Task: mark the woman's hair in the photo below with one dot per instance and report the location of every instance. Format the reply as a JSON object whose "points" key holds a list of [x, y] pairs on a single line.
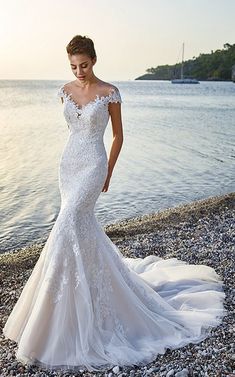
{"points": [[81, 45]]}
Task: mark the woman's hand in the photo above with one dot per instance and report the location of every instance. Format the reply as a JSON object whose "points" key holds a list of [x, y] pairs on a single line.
{"points": [[106, 184]]}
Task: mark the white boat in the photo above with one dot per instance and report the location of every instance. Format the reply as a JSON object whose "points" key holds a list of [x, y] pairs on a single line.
{"points": [[183, 80]]}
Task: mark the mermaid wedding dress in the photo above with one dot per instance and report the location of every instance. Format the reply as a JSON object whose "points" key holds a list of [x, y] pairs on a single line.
{"points": [[85, 305]]}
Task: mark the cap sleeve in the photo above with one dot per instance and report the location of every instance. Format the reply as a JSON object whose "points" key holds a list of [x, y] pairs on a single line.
{"points": [[60, 92], [115, 96]]}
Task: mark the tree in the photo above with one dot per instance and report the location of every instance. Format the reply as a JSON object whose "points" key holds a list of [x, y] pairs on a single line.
{"points": [[215, 65]]}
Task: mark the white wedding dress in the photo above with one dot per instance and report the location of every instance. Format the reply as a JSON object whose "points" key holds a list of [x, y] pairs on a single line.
{"points": [[85, 305]]}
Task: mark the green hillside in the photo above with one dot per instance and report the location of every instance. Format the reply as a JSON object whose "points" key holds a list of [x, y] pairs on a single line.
{"points": [[214, 66]]}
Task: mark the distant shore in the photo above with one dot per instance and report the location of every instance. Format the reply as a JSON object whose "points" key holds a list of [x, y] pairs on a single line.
{"points": [[152, 77], [201, 232]]}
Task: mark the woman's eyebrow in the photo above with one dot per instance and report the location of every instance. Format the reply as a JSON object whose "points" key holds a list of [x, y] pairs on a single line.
{"points": [[80, 64]]}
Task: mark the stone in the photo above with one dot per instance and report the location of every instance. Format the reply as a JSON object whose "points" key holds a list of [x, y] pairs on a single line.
{"points": [[116, 369], [170, 373], [182, 373], [9, 355]]}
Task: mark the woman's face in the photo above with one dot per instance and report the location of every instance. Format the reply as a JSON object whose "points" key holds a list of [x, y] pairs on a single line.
{"points": [[82, 66]]}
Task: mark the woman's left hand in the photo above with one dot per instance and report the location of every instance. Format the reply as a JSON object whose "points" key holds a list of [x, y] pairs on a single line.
{"points": [[106, 184]]}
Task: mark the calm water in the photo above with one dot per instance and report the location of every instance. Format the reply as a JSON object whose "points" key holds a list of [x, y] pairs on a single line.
{"points": [[179, 146]]}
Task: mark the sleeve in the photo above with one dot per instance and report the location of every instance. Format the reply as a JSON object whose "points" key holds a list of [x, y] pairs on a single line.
{"points": [[115, 96], [60, 92]]}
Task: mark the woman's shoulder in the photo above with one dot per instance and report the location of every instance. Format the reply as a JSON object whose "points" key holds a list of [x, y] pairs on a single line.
{"points": [[110, 87], [107, 87], [63, 88], [68, 85], [112, 92]]}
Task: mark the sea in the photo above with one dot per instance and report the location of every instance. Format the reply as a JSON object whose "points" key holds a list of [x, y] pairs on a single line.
{"points": [[179, 146]]}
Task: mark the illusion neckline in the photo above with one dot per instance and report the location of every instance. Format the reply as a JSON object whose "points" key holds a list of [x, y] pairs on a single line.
{"points": [[82, 107]]}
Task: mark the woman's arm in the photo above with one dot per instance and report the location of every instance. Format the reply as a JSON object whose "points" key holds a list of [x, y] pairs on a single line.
{"points": [[116, 119]]}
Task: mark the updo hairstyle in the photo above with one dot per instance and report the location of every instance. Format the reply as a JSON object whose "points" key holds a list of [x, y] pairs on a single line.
{"points": [[81, 45]]}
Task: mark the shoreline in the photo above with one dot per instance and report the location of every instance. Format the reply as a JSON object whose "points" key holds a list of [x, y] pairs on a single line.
{"points": [[150, 222], [199, 232]]}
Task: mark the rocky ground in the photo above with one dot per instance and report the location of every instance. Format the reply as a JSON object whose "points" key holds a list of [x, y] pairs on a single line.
{"points": [[202, 232]]}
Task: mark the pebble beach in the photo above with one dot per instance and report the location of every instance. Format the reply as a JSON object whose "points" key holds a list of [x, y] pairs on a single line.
{"points": [[201, 232]]}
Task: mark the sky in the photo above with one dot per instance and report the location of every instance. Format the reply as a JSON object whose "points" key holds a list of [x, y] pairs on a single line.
{"points": [[129, 35]]}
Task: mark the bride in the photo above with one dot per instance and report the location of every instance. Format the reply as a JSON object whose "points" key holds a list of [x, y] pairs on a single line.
{"points": [[85, 305]]}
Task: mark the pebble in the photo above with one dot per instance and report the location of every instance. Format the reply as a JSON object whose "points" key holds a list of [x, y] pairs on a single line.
{"points": [[182, 373], [170, 373], [116, 369], [9, 355]]}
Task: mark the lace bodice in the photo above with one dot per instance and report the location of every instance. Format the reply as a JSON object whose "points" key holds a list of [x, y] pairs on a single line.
{"points": [[92, 116]]}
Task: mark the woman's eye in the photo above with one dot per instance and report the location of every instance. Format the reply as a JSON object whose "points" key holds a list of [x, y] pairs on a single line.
{"points": [[82, 67]]}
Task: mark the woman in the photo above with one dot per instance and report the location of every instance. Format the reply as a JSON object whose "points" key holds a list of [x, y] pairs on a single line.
{"points": [[85, 305]]}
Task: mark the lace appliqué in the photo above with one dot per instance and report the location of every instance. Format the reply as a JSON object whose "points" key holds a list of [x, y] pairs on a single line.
{"points": [[67, 267], [93, 113], [113, 96]]}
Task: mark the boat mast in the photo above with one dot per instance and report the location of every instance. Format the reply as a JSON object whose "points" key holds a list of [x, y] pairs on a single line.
{"points": [[182, 64]]}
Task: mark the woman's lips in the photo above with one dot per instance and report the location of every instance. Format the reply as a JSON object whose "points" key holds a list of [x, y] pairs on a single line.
{"points": [[81, 77]]}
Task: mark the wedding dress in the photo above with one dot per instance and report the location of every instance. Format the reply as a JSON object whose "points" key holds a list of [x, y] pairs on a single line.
{"points": [[85, 305]]}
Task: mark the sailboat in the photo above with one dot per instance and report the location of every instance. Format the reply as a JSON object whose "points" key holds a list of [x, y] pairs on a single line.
{"points": [[183, 80]]}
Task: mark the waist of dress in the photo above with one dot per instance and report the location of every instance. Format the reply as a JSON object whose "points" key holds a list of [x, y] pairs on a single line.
{"points": [[86, 138], [76, 141]]}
